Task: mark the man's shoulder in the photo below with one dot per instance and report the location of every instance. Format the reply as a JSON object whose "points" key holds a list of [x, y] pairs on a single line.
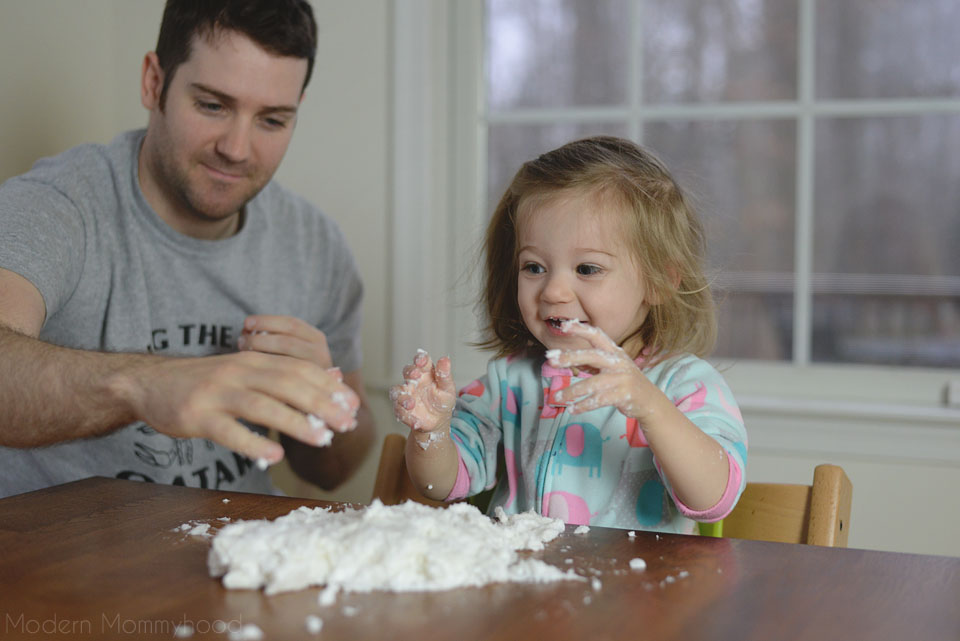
{"points": [[87, 165]]}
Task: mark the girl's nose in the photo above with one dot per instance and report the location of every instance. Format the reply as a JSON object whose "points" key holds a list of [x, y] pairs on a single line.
{"points": [[556, 289]]}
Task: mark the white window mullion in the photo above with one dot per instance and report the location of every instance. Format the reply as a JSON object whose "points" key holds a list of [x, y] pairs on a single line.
{"points": [[803, 243], [635, 69]]}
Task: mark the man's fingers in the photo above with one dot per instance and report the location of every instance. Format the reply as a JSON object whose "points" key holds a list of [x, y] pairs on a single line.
{"points": [[235, 436]]}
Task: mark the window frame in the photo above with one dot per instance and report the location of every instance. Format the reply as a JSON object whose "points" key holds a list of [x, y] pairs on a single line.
{"points": [[440, 124]]}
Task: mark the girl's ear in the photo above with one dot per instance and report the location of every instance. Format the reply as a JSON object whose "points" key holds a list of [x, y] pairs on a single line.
{"points": [[654, 297]]}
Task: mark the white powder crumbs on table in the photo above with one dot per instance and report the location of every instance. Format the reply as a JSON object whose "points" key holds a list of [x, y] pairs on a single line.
{"points": [[350, 611], [313, 624], [182, 631], [226, 500], [398, 548], [203, 529], [249, 632], [582, 529], [638, 564], [632, 534], [595, 584]]}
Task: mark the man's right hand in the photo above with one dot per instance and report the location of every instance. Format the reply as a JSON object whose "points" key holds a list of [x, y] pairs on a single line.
{"points": [[204, 398]]}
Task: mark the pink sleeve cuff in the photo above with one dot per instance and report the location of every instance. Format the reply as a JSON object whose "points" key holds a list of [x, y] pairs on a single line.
{"points": [[724, 506], [462, 485]]}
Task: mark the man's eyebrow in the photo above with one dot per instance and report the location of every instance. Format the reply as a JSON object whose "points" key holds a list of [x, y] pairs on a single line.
{"points": [[230, 100]]}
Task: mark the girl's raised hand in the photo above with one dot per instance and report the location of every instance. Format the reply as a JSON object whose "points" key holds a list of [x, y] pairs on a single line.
{"points": [[425, 400], [617, 381]]}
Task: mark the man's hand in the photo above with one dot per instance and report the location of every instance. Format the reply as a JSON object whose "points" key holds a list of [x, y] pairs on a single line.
{"points": [[205, 397]]}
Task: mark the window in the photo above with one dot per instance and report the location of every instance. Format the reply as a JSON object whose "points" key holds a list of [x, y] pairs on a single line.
{"points": [[821, 140]]}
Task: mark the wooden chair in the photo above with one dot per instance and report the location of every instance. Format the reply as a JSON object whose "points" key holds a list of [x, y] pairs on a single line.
{"points": [[393, 484], [817, 514]]}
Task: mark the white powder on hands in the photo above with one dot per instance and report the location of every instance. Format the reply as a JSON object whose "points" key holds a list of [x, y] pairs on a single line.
{"points": [[399, 548]]}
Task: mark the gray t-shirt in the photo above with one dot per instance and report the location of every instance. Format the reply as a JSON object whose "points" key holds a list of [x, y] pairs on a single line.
{"points": [[114, 277]]}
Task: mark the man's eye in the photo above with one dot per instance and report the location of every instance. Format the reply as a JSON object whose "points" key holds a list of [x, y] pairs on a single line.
{"points": [[587, 270], [274, 123], [212, 107]]}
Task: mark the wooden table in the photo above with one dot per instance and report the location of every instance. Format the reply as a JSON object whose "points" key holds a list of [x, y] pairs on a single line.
{"points": [[99, 558]]}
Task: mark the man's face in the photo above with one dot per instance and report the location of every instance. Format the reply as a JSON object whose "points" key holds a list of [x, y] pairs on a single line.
{"points": [[229, 114]]}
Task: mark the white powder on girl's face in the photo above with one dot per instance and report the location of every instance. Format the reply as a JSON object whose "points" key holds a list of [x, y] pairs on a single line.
{"points": [[398, 548]]}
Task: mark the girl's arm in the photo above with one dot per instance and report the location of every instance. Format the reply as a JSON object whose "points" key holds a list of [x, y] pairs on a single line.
{"points": [[425, 404], [695, 464]]}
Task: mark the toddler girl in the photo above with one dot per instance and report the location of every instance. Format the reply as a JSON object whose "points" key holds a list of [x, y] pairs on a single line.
{"points": [[597, 407]]}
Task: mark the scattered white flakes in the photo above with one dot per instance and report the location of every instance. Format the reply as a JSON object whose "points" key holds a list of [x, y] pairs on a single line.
{"points": [[329, 595], [226, 500], [587, 599], [670, 579], [182, 631], [262, 463], [350, 611], [658, 536], [432, 437], [316, 423], [430, 486], [683, 574], [399, 548], [632, 534], [313, 624], [568, 561], [595, 584], [225, 519], [249, 632], [582, 529], [638, 564], [553, 354], [203, 529]]}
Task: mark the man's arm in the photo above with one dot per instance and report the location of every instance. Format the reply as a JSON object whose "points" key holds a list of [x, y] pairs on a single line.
{"points": [[51, 394], [328, 467]]}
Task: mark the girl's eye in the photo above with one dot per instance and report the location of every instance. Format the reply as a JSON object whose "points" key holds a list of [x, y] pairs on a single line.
{"points": [[532, 268], [587, 270]]}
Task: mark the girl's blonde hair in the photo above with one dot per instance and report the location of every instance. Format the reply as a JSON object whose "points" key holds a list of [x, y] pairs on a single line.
{"points": [[665, 236]]}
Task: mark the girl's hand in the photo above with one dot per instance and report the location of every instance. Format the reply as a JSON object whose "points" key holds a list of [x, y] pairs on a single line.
{"points": [[427, 397], [617, 381]]}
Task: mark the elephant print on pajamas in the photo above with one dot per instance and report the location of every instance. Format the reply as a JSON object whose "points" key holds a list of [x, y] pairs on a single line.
{"points": [[580, 446], [569, 507]]}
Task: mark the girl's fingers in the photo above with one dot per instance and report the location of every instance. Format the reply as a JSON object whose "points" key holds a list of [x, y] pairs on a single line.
{"points": [[593, 335], [442, 374], [596, 358]]}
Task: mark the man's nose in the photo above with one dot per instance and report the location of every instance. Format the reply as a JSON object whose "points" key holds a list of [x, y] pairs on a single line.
{"points": [[234, 142]]}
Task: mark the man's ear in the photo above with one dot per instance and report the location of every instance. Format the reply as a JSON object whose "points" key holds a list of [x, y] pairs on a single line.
{"points": [[151, 81]]}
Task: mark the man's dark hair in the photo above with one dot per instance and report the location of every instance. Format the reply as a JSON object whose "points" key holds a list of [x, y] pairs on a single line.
{"points": [[282, 27]]}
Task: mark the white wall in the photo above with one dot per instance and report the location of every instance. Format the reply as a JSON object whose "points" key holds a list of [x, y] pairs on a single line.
{"points": [[70, 74]]}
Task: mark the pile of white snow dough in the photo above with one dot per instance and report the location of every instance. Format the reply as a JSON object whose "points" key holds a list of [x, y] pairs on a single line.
{"points": [[397, 548]]}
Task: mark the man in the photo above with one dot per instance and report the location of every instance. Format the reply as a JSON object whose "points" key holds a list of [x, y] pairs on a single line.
{"points": [[160, 297]]}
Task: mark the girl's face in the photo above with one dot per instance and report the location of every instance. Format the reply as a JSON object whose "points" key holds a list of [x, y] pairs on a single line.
{"points": [[574, 263]]}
